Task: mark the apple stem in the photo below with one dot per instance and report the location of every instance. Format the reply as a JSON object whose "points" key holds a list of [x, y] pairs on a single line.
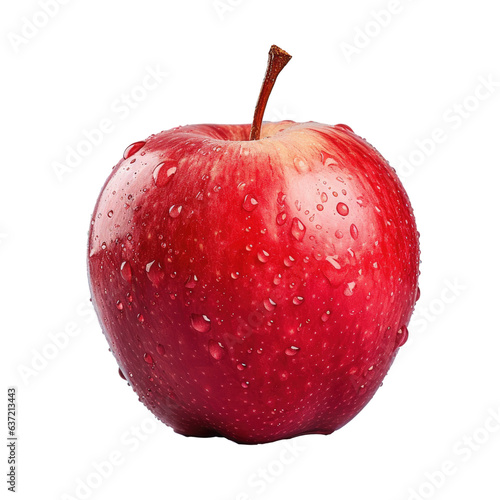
{"points": [[277, 60]]}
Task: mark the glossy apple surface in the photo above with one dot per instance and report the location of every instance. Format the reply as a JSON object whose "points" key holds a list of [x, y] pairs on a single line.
{"points": [[256, 290]]}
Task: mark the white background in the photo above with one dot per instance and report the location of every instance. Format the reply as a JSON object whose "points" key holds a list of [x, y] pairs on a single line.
{"points": [[412, 76]]}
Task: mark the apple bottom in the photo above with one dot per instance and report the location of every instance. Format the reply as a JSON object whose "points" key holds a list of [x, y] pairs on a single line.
{"points": [[248, 381]]}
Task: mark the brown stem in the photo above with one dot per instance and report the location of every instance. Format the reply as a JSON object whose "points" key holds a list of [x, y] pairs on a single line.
{"points": [[278, 59]]}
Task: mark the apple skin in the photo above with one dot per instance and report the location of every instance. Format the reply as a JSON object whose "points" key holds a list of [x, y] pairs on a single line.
{"points": [[256, 290]]}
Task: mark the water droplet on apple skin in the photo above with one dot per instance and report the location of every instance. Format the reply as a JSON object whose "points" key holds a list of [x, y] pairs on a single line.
{"points": [[342, 209], [249, 203], [269, 304], [281, 218], [344, 127], [163, 172], [298, 229], [160, 349], [354, 232], [133, 149], [126, 271], [148, 358], [174, 211], [401, 336], [216, 349], [292, 350], [262, 256], [201, 323]]}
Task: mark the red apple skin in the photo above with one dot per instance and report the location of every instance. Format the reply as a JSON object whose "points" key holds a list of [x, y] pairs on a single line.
{"points": [[256, 290]]}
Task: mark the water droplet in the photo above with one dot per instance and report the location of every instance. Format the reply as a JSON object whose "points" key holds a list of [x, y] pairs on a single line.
{"points": [[297, 205], [289, 261], [263, 256], [298, 300], [344, 127], [281, 198], [140, 318], [216, 349], [281, 218], [418, 294], [292, 350], [342, 209], [200, 323], [401, 336], [354, 232], [121, 374], [361, 201], [129, 297], [235, 276], [119, 305], [339, 234], [298, 229], [241, 366], [154, 272], [300, 165], [174, 211], [163, 172], [324, 197], [277, 279], [348, 291], [269, 304], [132, 149], [325, 316], [160, 349], [333, 261], [249, 203], [110, 214], [191, 281], [320, 208], [148, 358], [245, 385]]}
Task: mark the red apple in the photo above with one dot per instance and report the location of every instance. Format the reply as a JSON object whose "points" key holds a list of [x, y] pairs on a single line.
{"points": [[254, 289]]}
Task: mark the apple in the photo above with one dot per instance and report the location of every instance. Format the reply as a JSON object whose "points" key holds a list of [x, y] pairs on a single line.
{"points": [[254, 282]]}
